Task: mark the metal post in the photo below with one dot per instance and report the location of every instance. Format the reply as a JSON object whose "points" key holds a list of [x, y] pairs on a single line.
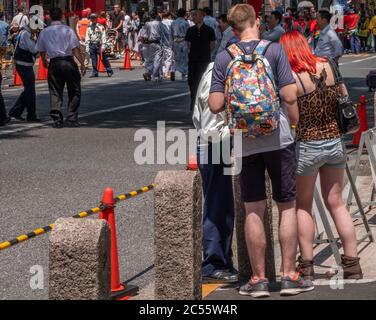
{"points": [[354, 176], [359, 203], [328, 229]]}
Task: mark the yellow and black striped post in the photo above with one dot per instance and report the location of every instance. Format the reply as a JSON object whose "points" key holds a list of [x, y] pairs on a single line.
{"points": [[37, 232]]}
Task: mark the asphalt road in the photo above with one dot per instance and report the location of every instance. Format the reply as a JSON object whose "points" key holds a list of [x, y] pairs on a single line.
{"points": [[47, 173]]}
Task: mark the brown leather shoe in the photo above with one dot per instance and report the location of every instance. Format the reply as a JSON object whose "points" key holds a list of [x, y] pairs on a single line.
{"points": [[306, 269], [351, 268]]}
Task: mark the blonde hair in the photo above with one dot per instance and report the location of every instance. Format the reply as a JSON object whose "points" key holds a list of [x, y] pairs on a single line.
{"points": [[241, 16]]}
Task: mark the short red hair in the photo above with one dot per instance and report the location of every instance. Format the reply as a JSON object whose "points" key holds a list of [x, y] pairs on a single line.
{"points": [[299, 53]]}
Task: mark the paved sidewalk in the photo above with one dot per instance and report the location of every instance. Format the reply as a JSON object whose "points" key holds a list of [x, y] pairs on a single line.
{"points": [[354, 291]]}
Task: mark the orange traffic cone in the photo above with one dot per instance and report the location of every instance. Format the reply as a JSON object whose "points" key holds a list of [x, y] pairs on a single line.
{"points": [[192, 163], [17, 81], [42, 70], [100, 65], [119, 291], [362, 113], [127, 60]]}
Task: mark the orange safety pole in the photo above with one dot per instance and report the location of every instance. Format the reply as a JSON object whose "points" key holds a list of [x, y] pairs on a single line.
{"points": [[362, 114], [119, 291]]}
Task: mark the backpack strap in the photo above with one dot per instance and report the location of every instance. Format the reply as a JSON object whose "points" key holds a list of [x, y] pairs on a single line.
{"points": [[262, 47], [234, 51]]}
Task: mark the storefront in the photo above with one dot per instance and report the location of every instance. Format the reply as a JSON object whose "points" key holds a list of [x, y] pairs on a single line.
{"points": [[69, 5], [9, 7]]}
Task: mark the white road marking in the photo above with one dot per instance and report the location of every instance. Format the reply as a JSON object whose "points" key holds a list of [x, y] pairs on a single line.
{"points": [[323, 282], [29, 126], [356, 61], [44, 85], [88, 114]]}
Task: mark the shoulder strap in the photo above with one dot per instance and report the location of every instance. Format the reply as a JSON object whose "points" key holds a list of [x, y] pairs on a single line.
{"points": [[19, 38], [235, 51], [262, 47], [17, 46], [301, 83], [337, 74]]}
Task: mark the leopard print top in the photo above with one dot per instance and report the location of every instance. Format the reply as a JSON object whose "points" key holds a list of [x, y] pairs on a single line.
{"points": [[317, 111]]}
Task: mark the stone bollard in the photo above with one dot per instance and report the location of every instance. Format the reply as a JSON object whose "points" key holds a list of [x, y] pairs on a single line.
{"points": [[178, 235], [79, 260], [244, 265]]}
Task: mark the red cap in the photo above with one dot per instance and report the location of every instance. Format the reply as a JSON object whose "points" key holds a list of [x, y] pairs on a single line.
{"points": [[84, 14]]}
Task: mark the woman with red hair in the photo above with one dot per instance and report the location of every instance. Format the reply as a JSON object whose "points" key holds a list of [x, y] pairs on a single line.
{"points": [[320, 149]]}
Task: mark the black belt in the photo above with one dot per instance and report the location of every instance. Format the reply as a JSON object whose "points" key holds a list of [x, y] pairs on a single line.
{"points": [[68, 58]]}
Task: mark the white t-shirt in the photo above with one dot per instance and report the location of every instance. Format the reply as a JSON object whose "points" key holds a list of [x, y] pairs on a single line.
{"points": [[21, 19], [126, 23], [58, 40]]}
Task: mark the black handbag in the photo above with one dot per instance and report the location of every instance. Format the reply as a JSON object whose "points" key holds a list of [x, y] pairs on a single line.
{"points": [[347, 116], [346, 111]]}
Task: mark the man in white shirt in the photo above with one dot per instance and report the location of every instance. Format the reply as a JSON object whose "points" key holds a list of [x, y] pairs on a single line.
{"points": [[61, 43], [20, 19], [218, 215], [168, 54]]}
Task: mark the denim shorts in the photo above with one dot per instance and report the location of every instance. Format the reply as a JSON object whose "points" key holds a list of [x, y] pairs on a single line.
{"points": [[313, 155]]}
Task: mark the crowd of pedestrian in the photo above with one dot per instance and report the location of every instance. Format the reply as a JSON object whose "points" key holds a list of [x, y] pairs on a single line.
{"points": [[169, 42]]}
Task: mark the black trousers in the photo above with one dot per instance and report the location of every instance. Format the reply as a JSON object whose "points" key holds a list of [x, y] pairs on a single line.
{"points": [[61, 73], [3, 112], [195, 73], [27, 99]]}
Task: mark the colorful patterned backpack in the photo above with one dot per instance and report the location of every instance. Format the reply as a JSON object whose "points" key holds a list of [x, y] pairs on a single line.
{"points": [[251, 96]]}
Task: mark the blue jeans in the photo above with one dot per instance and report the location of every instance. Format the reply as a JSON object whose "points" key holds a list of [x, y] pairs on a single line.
{"points": [[27, 99], [95, 51], [355, 44], [218, 215]]}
